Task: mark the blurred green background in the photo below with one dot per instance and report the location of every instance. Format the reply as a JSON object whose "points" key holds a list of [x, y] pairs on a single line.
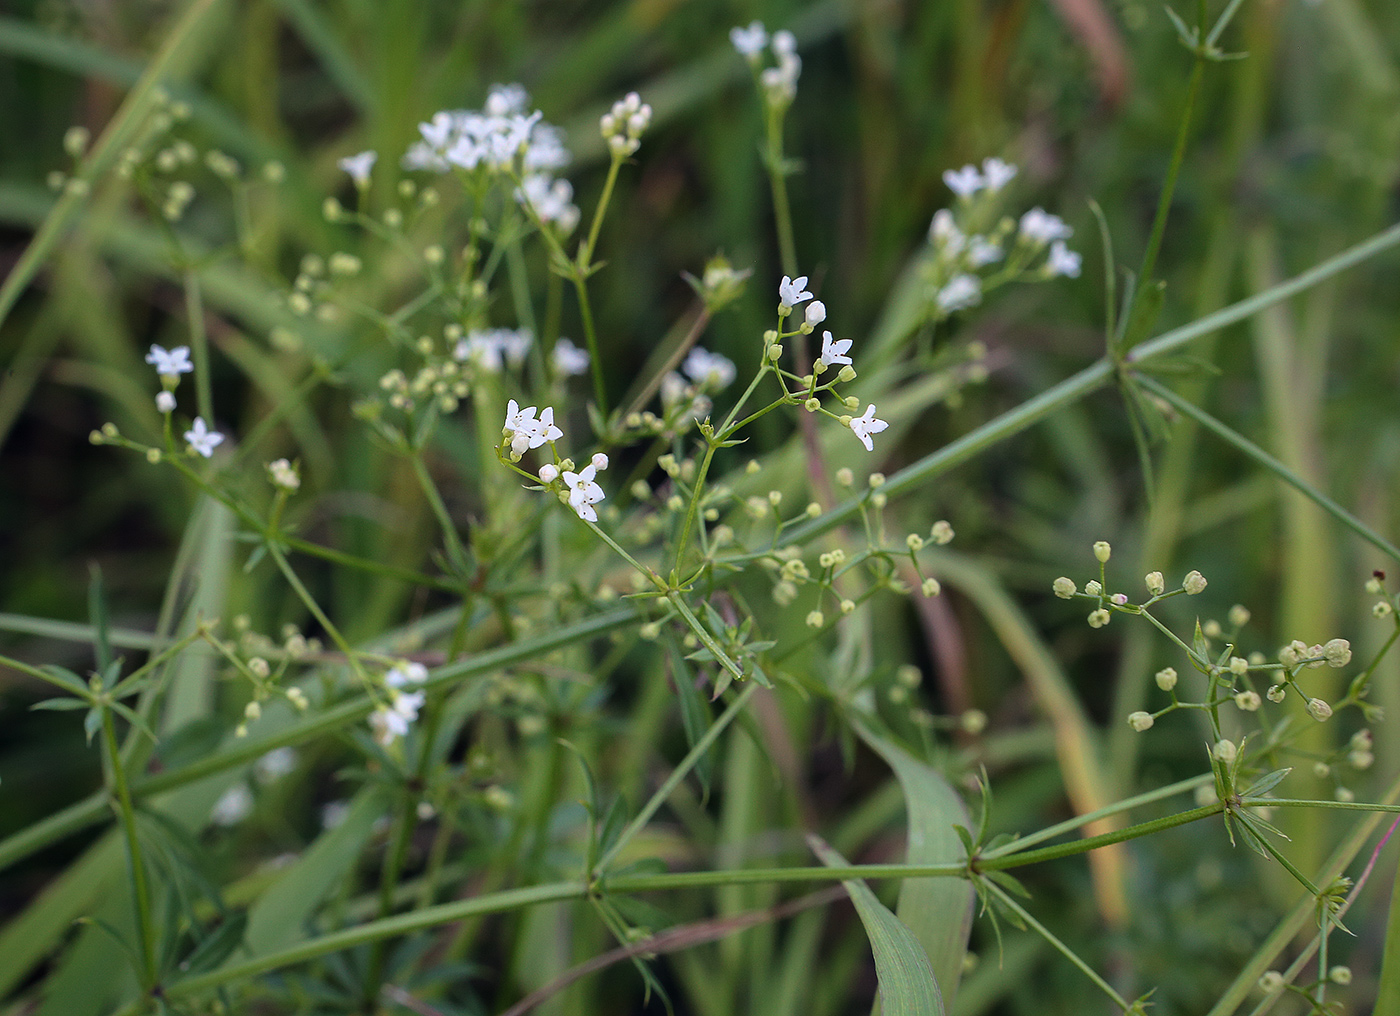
{"points": [[1294, 155]]}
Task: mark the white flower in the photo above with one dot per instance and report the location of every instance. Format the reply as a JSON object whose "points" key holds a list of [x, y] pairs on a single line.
{"points": [[584, 493], [599, 461], [233, 806], [283, 474], [165, 402], [568, 359], [784, 44], [526, 431], [549, 472], [274, 765], [865, 425], [392, 722], [202, 439], [406, 673], [1039, 226], [834, 350], [709, 369], [982, 252], [816, 313], [550, 199], [964, 182], [1062, 261], [749, 41], [170, 363], [996, 174], [359, 166], [503, 100], [793, 291], [943, 233], [961, 291], [514, 344]]}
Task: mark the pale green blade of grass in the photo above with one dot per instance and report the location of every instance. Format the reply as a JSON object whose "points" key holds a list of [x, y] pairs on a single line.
{"points": [[34, 932], [190, 677], [182, 47], [73, 631], [280, 916], [907, 983], [937, 910]]}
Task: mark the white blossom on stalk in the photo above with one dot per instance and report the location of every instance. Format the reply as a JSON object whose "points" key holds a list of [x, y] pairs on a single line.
{"points": [[165, 402], [962, 291], [233, 806], [568, 359], [584, 493], [392, 722], [274, 765], [944, 234], [791, 292], [816, 313], [406, 673], [709, 369], [550, 199], [982, 252], [359, 166], [203, 440], [865, 425], [996, 174], [1040, 227], [526, 431], [170, 362], [965, 182], [834, 350], [504, 100], [749, 41], [1062, 261]]}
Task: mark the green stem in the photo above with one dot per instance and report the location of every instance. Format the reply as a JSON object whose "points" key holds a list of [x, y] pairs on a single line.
{"points": [[456, 552], [585, 254], [678, 774], [1272, 464], [199, 343], [696, 490], [590, 334], [777, 180], [703, 634], [1082, 846], [1005, 899], [365, 564], [145, 926]]}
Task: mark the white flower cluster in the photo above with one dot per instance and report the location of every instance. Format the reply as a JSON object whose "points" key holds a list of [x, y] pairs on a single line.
{"points": [[779, 82], [490, 349], [622, 126], [526, 431], [391, 722], [961, 251], [170, 364], [500, 138]]}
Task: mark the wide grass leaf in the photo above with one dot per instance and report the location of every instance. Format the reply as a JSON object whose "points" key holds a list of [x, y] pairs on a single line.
{"points": [[907, 984]]}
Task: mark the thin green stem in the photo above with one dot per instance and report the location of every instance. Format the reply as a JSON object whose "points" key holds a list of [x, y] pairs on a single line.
{"points": [[590, 334], [456, 552], [199, 343], [1088, 843], [777, 180], [703, 634], [145, 925], [696, 490], [585, 254], [678, 774], [310, 603], [1272, 464], [1006, 900]]}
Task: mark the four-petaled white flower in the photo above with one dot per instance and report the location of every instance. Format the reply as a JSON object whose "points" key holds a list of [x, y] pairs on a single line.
{"points": [[793, 291], [170, 362], [709, 369], [584, 493], [392, 722], [834, 350], [409, 672], [996, 174], [749, 41], [1039, 226], [1062, 261], [964, 182], [961, 291], [526, 431], [865, 425], [202, 439], [568, 359], [359, 166]]}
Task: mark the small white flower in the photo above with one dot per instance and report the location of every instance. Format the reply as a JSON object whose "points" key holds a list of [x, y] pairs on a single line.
{"points": [[392, 722], [964, 182], [784, 44], [409, 672], [274, 765], [709, 369], [549, 472], [1039, 226], [749, 41], [793, 291], [962, 291], [568, 359], [997, 174], [865, 425], [834, 350], [283, 474], [943, 233], [359, 166], [165, 402], [202, 439], [816, 313], [233, 806], [526, 431], [599, 461], [982, 252], [584, 493], [1062, 261], [170, 363]]}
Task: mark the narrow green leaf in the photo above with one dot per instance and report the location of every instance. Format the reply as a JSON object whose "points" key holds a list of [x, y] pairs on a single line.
{"points": [[1267, 782], [907, 984], [60, 704], [97, 616]]}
